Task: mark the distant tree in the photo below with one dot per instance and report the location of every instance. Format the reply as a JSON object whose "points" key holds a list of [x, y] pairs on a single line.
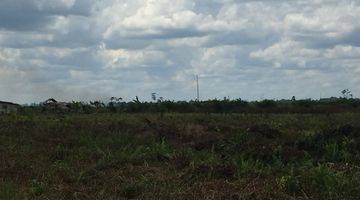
{"points": [[266, 103], [97, 104], [304, 103], [136, 100], [153, 96], [114, 103], [347, 94], [115, 99]]}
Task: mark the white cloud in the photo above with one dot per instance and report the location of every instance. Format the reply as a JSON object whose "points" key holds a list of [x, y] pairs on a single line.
{"points": [[286, 52], [343, 52]]}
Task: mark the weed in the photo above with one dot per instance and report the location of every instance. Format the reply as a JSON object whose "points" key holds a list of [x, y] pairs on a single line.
{"points": [[7, 190], [37, 188], [179, 156]]}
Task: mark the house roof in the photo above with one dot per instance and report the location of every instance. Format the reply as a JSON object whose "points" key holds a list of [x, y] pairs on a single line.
{"points": [[9, 103]]}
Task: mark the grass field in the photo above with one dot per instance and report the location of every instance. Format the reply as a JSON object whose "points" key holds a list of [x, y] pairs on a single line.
{"points": [[180, 156]]}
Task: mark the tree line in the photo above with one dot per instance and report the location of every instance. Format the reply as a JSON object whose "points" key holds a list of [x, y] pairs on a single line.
{"points": [[116, 105]]}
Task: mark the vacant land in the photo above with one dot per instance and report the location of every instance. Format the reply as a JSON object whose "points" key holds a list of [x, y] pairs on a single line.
{"points": [[180, 156]]}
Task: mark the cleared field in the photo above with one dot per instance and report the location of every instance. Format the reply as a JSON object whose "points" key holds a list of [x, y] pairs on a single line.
{"points": [[180, 156]]}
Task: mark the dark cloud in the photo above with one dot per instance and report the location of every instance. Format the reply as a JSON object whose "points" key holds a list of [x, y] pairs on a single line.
{"points": [[141, 39], [317, 41], [242, 37], [321, 41], [352, 38], [209, 7], [30, 15]]}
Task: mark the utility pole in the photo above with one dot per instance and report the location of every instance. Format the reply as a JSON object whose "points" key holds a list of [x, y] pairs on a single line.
{"points": [[197, 88]]}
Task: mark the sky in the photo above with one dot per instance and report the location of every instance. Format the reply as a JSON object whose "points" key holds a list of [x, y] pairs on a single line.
{"points": [[86, 50]]}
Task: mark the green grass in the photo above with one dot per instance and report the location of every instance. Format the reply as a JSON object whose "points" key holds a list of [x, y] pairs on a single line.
{"points": [[180, 156]]}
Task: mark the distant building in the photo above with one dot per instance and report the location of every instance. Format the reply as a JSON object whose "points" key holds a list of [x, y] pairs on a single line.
{"points": [[8, 107]]}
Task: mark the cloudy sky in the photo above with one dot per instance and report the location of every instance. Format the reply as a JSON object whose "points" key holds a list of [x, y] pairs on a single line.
{"points": [[95, 49]]}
